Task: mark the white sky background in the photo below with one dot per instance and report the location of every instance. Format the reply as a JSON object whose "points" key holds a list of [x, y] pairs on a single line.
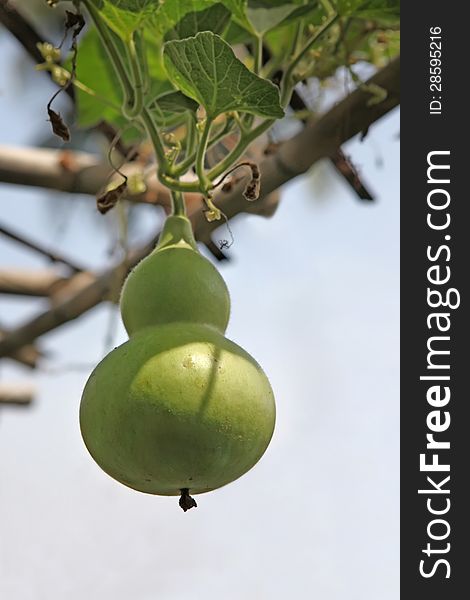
{"points": [[315, 294]]}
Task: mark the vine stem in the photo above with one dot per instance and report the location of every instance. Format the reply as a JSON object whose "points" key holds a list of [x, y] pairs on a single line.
{"points": [[142, 59], [183, 166], [176, 185], [286, 87], [179, 208], [137, 80], [239, 149], [297, 37], [204, 181], [190, 135], [258, 48], [112, 52], [328, 7], [152, 131]]}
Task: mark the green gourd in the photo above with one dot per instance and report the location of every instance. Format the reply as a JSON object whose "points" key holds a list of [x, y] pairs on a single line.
{"points": [[178, 409]]}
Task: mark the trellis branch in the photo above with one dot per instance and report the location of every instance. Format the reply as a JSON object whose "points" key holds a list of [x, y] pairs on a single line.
{"points": [[87, 294], [21, 394], [27, 282], [27, 355], [70, 171], [52, 256], [63, 170]]}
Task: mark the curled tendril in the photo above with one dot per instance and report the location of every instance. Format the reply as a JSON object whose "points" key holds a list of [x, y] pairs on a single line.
{"points": [[225, 244]]}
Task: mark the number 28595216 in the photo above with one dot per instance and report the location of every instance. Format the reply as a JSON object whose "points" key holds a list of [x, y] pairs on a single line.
{"points": [[435, 69]]}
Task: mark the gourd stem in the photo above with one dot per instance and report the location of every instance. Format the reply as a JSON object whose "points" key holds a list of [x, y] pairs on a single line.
{"points": [[186, 501], [179, 208]]}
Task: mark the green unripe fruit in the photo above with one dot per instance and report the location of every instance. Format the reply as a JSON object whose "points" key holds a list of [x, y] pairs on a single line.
{"points": [[177, 407], [175, 283]]}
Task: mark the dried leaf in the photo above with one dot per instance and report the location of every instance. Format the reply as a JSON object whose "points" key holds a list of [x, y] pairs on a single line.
{"points": [[58, 125], [74, 21], [109, 199], [251, 192], [228, 185]]}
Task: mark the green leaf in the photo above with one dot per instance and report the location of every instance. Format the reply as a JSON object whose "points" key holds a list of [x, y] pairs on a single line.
{"points": [[171, 108], [126, 16], [238, 11], [380, 10], [175, 102], [205, 68], [215, 19], [260, 16], [94, 70], [265, 17], [236, 34], [135, 6], [172, 12]]}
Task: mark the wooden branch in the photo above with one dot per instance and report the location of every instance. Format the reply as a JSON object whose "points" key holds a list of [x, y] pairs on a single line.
{"points": [[70, 171], [28, 355], [52, 256], [82, 173], [87, 293], [319, 139], [62, 170], [21, 394], [348, 171], [27, 282]]}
